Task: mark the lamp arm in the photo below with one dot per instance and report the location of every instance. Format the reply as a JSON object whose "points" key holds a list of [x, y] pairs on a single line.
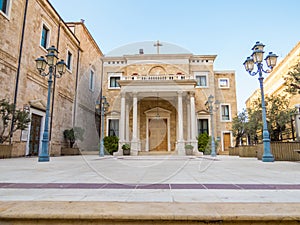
{"points": [[44, 74], [267, 71], [253, 73]]}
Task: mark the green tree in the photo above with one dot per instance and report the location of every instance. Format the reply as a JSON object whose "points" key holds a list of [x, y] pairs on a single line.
{"points": [[254, 124], [278, 115], [292, 80], [239, 126], [9, 114]]}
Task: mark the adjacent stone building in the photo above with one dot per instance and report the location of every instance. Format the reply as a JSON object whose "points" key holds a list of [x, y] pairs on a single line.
{"points": [[158, 98], [274, 83], [27, 29]]}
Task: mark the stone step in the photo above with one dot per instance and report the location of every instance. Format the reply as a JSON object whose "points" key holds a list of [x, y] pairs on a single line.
{"points": [[223, 152], [118, 213], [144, 153]]}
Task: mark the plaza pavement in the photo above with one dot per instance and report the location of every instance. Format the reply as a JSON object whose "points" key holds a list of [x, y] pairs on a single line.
{"points": [[169, 179]]}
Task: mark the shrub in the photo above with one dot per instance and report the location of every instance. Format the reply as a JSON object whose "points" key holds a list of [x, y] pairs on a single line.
{"points": [[111, 144], [203, 140], [126, 146], [207, 150]]}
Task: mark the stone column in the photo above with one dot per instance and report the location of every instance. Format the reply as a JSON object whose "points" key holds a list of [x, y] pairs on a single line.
{"points": [[188, 113], [135, 140], [127, 130], [180, 141], [193, 139], [122, 123]]}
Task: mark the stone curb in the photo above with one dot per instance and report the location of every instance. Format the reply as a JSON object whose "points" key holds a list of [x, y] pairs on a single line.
{"points": [[145, 211]]}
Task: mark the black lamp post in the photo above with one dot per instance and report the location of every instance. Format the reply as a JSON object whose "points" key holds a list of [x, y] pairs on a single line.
{"points": [[60, 67]]}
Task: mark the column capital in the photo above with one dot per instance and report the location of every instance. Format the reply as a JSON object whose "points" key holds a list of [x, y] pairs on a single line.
{"points": [[134, 94], [192, 93], [179, 93], [123, 94]]}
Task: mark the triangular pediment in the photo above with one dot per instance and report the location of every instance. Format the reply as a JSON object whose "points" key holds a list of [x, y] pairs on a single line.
{"points": [[157, 110], [202, 112], [38, 104]]}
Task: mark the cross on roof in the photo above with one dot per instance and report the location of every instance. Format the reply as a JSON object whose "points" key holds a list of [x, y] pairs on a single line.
{"points": [[157, 45]]}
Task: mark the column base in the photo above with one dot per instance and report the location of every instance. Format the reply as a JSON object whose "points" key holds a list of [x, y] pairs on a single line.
{"points": [[44, 158], [180, 147], [268, 158], [135, 147]]}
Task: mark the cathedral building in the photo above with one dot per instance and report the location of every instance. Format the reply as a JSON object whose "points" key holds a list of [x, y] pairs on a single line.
{"points": [[158, 95]]}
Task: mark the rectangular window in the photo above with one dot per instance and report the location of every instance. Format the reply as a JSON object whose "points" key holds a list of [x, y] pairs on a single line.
{"points": [[201, 81], [203, 126], [113, 127], [225, 112], [223, 83], [201, 78], [113, 82], [91, 81], [69, 61], [4, 6], [44, 39]]}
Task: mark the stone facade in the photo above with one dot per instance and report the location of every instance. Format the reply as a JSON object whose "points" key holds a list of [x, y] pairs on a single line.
{"points": [[21, 81], [166, 87]]}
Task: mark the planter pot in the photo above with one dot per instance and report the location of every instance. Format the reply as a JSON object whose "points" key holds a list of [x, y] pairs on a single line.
{"points": [[126, 151], [189, 151], [5, 151], [70, 151]]}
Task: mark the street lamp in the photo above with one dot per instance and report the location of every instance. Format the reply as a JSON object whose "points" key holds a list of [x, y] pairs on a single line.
{"points": [[102, 106], [60, 67], [257, 58], [212, 107]]}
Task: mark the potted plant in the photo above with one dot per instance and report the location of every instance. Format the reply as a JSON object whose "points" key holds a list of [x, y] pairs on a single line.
{"points": [[20, 120], [72, 135], [189, 149], [126, 149]]}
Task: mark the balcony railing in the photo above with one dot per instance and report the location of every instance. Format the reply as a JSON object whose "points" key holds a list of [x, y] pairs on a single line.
{"points": [[160, 77]]}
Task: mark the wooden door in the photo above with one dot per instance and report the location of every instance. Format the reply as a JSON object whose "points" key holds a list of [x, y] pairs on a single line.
{"points": [[158, 138], [226, 141], [35, 132]]}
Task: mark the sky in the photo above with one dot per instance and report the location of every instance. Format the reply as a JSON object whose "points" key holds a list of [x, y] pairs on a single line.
{"points": [[226, 28]]}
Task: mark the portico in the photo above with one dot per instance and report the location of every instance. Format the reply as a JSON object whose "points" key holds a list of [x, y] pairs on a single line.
{"points": [[157, 115]]}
